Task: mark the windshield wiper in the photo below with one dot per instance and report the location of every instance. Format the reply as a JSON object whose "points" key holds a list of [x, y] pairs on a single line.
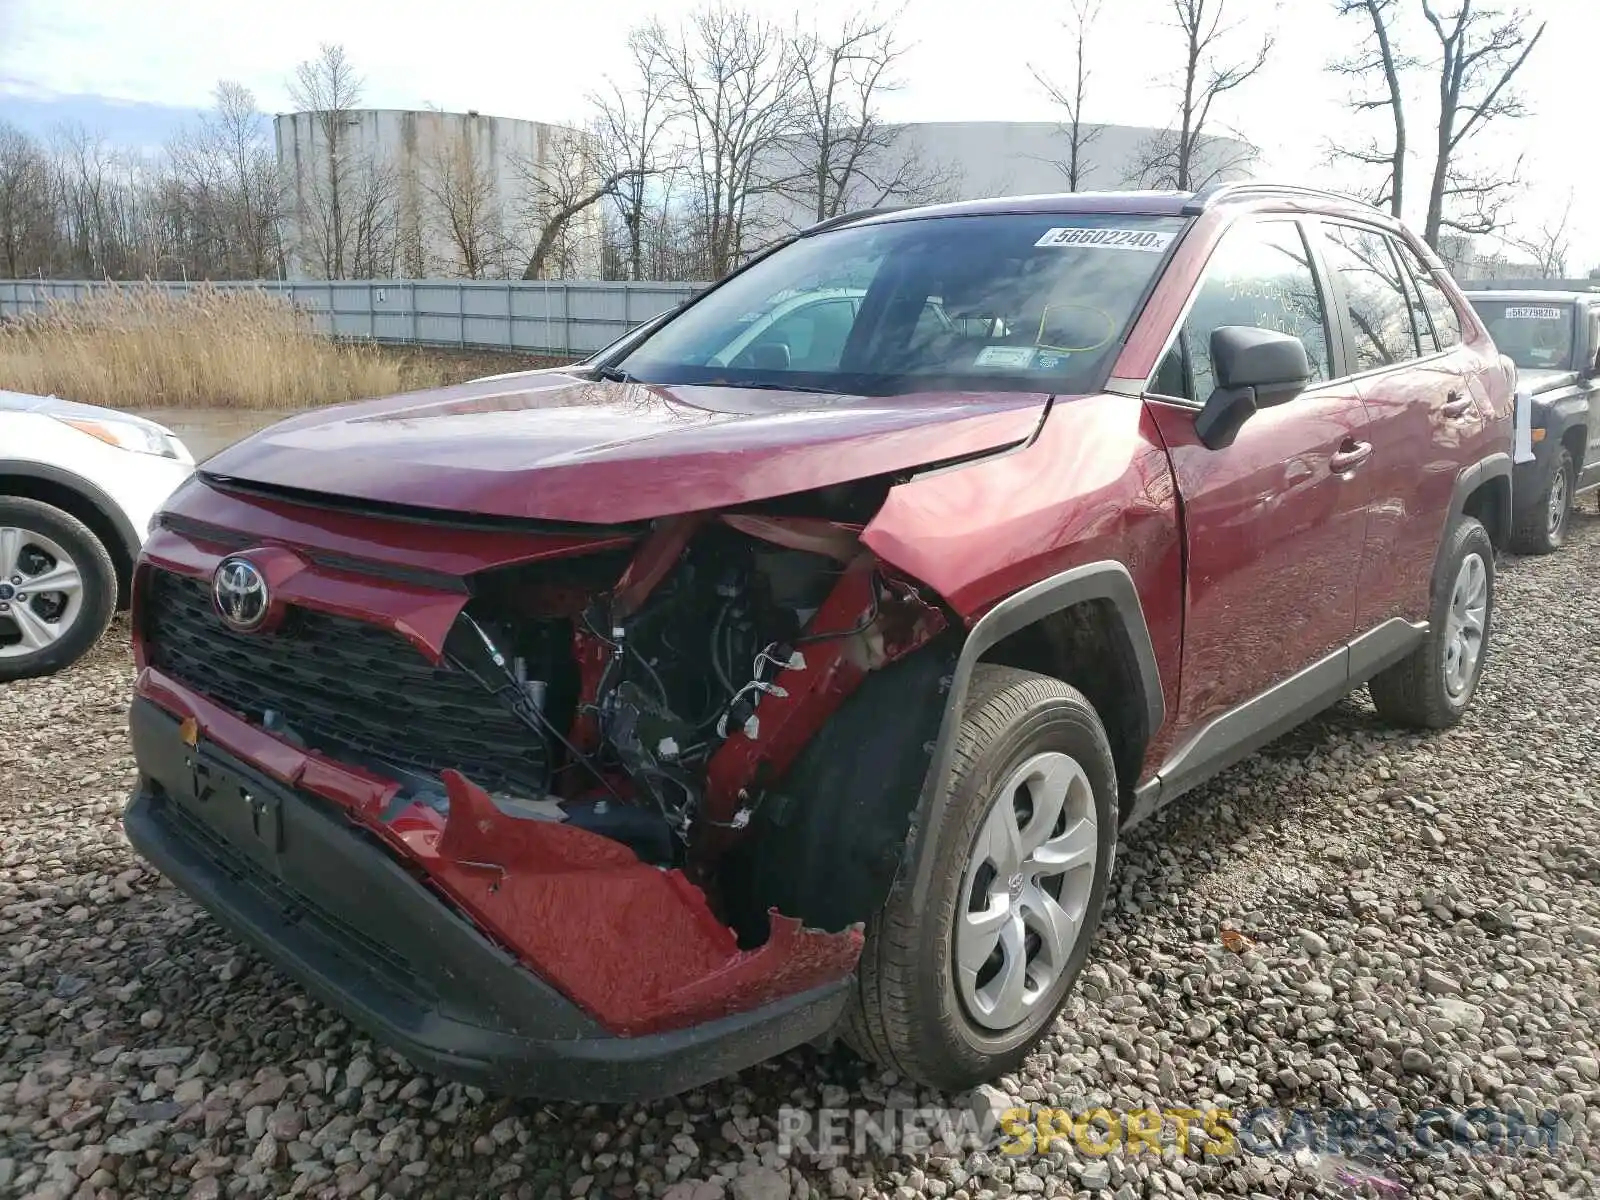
{"points": [[614, 375]]}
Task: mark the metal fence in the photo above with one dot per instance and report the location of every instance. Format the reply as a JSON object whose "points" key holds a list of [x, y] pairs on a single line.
{"points": [[1532, 285], [540, 317]]}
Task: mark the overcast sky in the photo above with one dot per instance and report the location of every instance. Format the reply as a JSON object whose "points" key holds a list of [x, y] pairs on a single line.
{"points": [[966, 60]]}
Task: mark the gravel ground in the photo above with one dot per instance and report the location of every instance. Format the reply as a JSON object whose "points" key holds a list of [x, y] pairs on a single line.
{"points": [[1352, 919]]}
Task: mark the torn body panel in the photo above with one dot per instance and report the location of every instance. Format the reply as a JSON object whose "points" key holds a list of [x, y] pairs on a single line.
{"points": [[662, 694], [579, 909], [592, 918]]}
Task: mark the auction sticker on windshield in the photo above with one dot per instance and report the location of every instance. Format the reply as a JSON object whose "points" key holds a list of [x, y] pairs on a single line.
{"points": [[1152, 241], [1005, 356], [1533, 314]]}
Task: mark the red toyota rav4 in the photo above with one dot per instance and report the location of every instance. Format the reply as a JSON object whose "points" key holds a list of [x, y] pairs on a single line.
{"points": [[790, 668]]}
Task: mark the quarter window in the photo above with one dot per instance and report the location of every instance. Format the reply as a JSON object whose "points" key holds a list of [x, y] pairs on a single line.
{"points": [[1375, 296], [1421, 322], [1446, 321], [1260, 275]]}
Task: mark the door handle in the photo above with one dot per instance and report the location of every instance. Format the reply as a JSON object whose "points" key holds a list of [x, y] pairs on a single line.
{"points": [[1456, 405], [1349, 460]]}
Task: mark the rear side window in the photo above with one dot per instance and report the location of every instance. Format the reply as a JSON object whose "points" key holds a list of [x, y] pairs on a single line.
{"points": [[1378, 308], [1446, 321], [1260, 275]]}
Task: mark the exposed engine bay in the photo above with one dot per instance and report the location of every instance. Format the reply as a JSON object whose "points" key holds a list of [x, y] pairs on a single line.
{"points": [[665, 689]]}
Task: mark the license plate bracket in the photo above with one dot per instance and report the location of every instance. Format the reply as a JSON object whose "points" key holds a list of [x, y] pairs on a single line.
{"points": [[235, 807]]}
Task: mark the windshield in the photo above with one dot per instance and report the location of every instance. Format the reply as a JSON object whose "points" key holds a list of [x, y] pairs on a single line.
{"points": [[1536, 336], [1017, 303]]}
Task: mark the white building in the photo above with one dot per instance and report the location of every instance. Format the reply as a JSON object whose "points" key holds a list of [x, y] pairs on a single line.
{"points": [[420, 193], [971, 160]]}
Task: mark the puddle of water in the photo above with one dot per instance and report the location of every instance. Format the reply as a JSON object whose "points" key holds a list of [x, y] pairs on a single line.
{"points": [[208, 430]]}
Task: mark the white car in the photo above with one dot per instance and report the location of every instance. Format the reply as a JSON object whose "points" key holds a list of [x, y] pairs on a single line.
{"points": [[78, 488]]}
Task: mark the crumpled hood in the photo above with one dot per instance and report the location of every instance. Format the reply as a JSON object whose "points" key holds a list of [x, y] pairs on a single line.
{"points": [[562, 448]]}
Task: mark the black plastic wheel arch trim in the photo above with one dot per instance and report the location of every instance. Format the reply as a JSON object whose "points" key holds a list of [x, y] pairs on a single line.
{"points": [[1097, 581], [91, 493], [1493, 466]]}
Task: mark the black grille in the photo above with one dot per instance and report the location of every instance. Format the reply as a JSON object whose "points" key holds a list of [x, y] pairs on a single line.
{"points": [[342, 685]]}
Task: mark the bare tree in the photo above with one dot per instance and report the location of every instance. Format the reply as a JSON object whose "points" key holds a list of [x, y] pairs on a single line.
{"points": [[239, 131], [220, 192], [26, 224], [373, 223], [738, 83], [845, 155], [463, 206], [81, 207], [1549, 245], [631, 130], [1071, 95], [558, 186], [1182, 158], [674, 235], [1378, 59], [83, 167], [78, 206], [1482, 50], [329, 89]]}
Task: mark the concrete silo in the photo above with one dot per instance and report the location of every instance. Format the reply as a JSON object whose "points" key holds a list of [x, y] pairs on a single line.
{"points": [[970, 160], [391, 193]]}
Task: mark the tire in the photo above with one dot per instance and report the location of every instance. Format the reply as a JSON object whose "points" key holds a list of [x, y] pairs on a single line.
{"points": [[1541, 527], [910, 1012], [63, 625], [1420, 691]]}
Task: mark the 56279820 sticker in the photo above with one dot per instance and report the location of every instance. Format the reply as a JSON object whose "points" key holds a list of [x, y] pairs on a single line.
{"points": [[1152, 241], [1530, 313]]}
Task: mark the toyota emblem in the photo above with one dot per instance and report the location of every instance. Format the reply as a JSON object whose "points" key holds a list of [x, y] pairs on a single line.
{"points": [[239, 591]]}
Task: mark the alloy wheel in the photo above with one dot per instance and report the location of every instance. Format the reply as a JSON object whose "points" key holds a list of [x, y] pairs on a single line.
{"points": [[41, 592], [1464, 626], [1026, 891], [1556, 515]]}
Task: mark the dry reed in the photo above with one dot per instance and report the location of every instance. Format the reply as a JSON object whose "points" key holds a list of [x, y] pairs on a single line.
{"points": [[137, 346]]}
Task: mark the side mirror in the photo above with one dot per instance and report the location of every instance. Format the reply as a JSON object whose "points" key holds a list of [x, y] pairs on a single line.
{"points": [[1254, 368]]}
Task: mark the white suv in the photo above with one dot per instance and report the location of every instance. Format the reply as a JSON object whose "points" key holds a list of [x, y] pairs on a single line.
{"points": [[78, 487]]}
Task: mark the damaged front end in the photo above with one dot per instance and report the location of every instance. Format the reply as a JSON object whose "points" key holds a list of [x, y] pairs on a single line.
{"points": [[667, 769]]}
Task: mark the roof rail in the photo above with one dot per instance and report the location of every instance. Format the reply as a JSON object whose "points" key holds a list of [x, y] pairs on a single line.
{"points": [[1214, 193], [850, 218]]}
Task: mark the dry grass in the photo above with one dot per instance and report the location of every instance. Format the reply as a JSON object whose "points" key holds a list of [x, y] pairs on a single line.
{"points": [[137, 346]]}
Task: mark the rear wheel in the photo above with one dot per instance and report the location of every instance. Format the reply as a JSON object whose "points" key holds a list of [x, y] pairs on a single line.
{"points": [[1541, 528], [959, 990], [1433, 687], [58, 588]]}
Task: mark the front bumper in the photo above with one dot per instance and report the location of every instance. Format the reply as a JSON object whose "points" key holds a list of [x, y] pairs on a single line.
{"points": [[1530, 475], [321, 898], [1527, 485]]}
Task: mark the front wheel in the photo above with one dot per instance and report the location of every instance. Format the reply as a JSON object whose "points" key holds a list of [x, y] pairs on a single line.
{"points": [[1541, 528], [57, 588], [1433, 686], [958, 991]]}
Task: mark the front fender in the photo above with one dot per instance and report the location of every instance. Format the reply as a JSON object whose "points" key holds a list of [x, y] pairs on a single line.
{"points": [[1096, 581]]}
